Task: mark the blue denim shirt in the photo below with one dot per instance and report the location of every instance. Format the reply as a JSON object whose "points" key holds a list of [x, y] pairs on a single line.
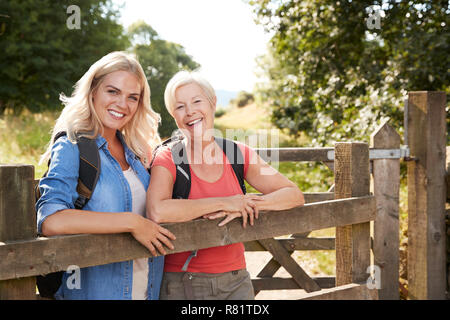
{"points": [[112, 194]]}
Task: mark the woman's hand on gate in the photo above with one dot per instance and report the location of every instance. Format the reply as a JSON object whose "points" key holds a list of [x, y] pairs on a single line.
{"points": [[230, 216], [241, 205], [151, 235]]}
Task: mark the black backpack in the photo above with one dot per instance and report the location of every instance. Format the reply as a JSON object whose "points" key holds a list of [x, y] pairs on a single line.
{"points": [[89, 172], [182, 185]]}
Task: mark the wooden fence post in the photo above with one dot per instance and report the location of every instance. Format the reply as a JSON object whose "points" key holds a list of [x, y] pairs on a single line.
{"points": [[17, 222], [386, 176], [352, 179], [426, 195]]}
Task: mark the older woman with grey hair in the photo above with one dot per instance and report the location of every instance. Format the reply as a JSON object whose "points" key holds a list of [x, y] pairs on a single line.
{"points": [[215, 192]]}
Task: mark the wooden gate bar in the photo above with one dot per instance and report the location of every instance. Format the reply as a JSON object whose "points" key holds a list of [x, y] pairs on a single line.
{"points": [[278, 283], [426, 195], [386, 183], [352, 178], [45, 255], [283, 257], [352, 291], [17, 222], [296, 244]]}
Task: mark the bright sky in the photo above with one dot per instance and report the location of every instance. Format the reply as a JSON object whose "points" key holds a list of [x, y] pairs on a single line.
{"points": [[221, 35]]}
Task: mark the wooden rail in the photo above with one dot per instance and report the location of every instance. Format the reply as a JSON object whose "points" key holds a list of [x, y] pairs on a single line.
{"points": [[44, 255]]}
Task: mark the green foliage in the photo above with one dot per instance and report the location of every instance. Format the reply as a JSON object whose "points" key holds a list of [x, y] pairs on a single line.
{"points": [[42, 57], [243, 98], [160, 60], [334, 79], [220, 112]]}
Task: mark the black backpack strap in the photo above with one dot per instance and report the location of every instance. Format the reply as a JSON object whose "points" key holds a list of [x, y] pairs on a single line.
{"points": [[89, 170], [182, 185], [166, 142], [236, 159]]}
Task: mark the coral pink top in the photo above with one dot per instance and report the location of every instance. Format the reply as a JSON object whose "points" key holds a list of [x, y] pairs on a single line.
{"points": [[216, 259]]}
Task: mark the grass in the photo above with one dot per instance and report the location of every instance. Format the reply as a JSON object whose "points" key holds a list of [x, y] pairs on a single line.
{"points": [[23, 139]]}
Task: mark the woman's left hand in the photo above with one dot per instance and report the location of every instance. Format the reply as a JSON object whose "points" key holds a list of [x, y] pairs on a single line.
{"points": [[231, 216]]}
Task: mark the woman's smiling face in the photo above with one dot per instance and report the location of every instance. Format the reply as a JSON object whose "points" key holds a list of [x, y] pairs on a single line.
{"points": [[192, 111], [116, 100]]}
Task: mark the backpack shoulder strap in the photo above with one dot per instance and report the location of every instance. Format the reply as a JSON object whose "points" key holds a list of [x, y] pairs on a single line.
{"points": [[172, 140], [89, 171], [236, 159], [182, 185]]}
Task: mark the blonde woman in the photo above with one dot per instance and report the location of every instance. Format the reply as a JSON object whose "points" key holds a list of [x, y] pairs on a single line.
{"points": [[215, 192], [110, 104]]}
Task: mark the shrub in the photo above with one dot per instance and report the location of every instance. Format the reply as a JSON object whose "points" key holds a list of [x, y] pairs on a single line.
{"points": [[243, 98]]}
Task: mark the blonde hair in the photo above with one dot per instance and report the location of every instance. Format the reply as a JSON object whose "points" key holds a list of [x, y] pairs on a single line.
{"points": [[182, 78], [79, 118]]}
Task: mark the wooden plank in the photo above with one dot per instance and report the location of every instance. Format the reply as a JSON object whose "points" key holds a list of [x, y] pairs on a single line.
{"points": [[352, 291], [45, 255], [386, 176], [284, 258], [311, 197], [294, 154], [269, 270], [352, 178], [17, 221], [306, 244], [426, 195], [277, 283], [271, 267], [447, 175]]}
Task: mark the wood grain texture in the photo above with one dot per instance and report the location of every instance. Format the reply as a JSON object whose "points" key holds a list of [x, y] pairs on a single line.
{"points": [[17, 221], [45, 255], [352, 178], [426, 195], [386, 175], [352, 291]]}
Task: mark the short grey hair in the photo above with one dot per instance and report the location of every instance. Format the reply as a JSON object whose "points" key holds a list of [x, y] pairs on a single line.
{"points": [[183, 78]]}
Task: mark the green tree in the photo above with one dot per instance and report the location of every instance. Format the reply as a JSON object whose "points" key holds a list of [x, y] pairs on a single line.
{"points": [[334, 77], [160, 60], [41, 57]]}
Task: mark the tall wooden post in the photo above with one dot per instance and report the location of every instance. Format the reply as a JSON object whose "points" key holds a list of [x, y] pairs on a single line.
{"points": [[17, 222], [426, 195], [352, 179], [386, 178]]}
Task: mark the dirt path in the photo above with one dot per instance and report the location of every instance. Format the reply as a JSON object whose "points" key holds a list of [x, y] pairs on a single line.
{"points": [[255, 262]]}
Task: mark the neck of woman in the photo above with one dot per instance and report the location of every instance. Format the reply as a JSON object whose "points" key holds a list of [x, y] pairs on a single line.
{"points": [[203, 151], [110, 136]]}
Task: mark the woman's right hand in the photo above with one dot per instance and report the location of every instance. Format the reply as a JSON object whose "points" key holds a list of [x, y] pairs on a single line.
{"points": [[151, 235], [236, 206]]}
